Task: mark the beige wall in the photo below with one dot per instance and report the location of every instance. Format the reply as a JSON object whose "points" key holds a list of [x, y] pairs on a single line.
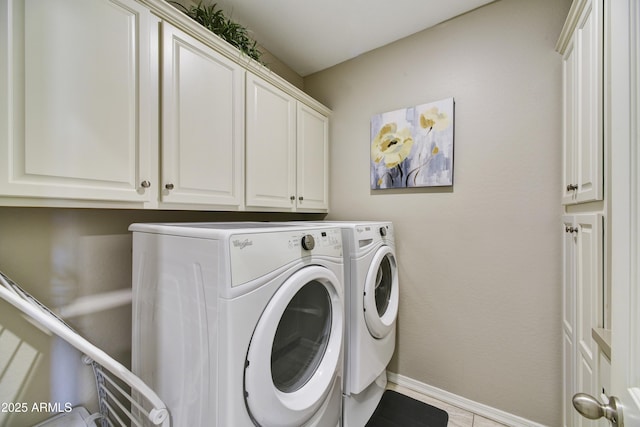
{"points": [[280, 68], [480, 263], [273, 63]]}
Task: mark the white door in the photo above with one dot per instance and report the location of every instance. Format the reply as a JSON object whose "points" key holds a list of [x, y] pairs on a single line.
{"points": [[202, 124], [295, 351], [623, 43], [588, 143], [270, 146], [77, 103], [313, 159], [582, 98], [625, 212]]}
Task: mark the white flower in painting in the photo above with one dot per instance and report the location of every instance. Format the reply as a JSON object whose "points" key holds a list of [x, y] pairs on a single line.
{"points": [[391, 146], [434, 119]]}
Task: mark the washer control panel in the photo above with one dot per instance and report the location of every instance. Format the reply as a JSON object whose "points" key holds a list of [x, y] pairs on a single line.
{"points": [[256, 254]]}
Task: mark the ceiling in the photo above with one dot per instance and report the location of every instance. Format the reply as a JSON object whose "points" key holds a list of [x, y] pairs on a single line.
{"points": [[310, 36]]}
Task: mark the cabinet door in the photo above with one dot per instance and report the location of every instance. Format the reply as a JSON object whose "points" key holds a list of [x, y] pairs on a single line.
{"points": [[568, 320], [270, 146], [78, 100], [582, 309], [569, 137], [583, 106], [202, 124], [313, 159], [589, 173], [589, 261]]}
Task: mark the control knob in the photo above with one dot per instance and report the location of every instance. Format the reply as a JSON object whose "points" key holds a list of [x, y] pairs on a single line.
{"points": [[308, 242], [383, 231]]}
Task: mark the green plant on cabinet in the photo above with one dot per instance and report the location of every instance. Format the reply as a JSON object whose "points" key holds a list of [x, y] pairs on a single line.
{"points": [[215, 21]]}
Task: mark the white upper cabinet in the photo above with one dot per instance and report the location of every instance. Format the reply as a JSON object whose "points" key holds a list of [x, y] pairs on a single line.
{"points": [[77, 100], [270, 145], [202, 124], [581, 44], [313, 159], [132, 104], [286, 151]]}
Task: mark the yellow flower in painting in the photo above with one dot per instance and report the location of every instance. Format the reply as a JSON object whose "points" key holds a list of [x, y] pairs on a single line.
{"points": [[391, 146], [433, 119]]}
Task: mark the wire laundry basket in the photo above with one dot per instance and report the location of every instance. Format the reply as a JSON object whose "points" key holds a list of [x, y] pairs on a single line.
{"points": [[123, 399]]}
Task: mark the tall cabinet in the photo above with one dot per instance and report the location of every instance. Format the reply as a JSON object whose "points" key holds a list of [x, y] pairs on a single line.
{"points": [[584, 204]]}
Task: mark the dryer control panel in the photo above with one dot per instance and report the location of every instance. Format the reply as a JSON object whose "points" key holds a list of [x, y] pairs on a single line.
{"points": [[254, 255], [367, 234]]}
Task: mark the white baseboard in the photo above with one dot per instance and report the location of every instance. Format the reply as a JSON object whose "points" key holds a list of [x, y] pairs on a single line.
{"points": [[461, 402]]}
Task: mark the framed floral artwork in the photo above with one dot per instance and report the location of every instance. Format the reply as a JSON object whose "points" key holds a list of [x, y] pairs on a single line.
{"points": [[413, 147]]}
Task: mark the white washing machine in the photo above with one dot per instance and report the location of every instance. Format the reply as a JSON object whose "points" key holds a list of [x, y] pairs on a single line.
{"points": [[240, 324], [371, 309]]}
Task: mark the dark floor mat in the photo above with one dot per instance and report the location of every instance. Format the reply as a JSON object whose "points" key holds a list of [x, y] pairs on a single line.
{"points": [[398, 410]]}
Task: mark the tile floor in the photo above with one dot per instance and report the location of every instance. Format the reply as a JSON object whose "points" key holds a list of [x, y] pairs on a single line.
{"points": [[457, 417]]}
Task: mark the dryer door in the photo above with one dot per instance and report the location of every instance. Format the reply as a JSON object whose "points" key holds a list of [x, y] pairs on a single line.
{"points": [[381, 293], [295, 350]]}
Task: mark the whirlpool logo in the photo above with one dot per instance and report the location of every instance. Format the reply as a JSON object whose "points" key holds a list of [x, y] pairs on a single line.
{"points": [[241, 244]]}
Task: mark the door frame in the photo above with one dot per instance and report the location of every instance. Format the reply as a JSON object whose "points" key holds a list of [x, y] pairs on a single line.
{"points": [[622, 114]]}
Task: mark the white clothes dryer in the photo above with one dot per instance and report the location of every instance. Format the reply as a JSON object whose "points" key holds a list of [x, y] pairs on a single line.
{"points": [[371, 309], [240, 324]]}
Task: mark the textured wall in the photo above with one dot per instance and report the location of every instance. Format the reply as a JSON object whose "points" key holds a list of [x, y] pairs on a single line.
{"points": [[480, 263]]}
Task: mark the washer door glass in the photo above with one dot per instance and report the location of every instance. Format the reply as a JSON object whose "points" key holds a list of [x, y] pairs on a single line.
{"points": [[381, 293], [301, 338], [383, 285], [293, 358]]}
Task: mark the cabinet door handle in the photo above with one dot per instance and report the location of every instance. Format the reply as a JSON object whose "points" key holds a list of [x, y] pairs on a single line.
{"points": [[292, 198], [572, 187], [301, 198], [571, 229], [145, 184], [169, 186]]}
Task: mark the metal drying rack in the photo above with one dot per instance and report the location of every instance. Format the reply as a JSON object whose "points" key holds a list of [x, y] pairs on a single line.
{"points": [[123, 398]]}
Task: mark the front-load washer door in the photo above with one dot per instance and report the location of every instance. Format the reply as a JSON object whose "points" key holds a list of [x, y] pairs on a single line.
{"points": [[295, 349], [381, 293]]}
